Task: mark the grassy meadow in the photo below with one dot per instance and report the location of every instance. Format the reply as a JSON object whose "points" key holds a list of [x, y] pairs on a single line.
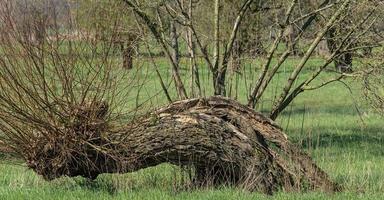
{"points": [[333, 124]]}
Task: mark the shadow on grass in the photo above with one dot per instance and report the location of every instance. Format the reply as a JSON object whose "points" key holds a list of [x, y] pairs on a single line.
{"points": [[98, 185], [328, 109], [370, 139], [300, 110]]}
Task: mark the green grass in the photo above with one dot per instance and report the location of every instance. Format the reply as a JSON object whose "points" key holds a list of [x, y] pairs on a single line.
{"points": [[342, 134]]}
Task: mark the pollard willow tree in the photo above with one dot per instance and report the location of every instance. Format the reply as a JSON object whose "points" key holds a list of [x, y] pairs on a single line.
{"points": [[62, 99]]}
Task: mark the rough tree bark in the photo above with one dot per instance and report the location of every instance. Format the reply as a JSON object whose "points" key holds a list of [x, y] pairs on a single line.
{"points": [[127, 53], [224, 141], [127, 43], [289, 37]]}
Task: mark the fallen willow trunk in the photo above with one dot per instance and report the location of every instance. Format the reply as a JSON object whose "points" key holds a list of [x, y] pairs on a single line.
{"points": [[224, 141]]}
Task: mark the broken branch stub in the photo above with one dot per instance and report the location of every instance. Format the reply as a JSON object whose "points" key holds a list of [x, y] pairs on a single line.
{"points": [[225, 142]]}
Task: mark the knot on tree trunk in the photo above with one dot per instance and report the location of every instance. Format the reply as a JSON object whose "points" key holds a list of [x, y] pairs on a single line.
{"points": [[225, 143]]}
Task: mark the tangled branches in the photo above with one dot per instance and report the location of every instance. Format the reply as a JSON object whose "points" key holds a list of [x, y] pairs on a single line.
{"points": [[373, 87]]}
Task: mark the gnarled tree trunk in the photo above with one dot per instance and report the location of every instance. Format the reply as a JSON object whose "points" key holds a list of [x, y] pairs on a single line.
{"points": [[225, 142]]}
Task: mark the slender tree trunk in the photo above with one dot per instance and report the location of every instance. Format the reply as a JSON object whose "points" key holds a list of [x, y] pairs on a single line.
{"points": [[289, 36], [195, 77], [127, 53], [40, 31], [216, 53], [236, 55], [127, 44], [343, 63], [175, 43], [222, 71]]}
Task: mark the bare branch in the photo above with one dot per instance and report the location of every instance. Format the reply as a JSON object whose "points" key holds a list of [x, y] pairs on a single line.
{"points": [[220, 79], [304, 60], [153, 27], [253, 97]]}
